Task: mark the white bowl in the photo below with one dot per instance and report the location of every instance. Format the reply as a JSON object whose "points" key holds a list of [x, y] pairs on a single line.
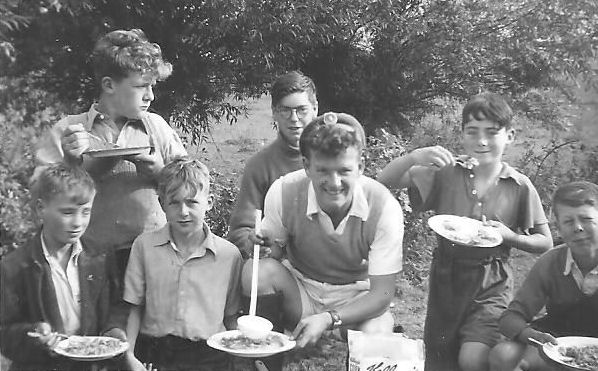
{"points": [[254, 327]]}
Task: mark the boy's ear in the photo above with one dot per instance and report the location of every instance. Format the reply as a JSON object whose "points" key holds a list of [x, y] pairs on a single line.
{"points": [[305, 161], [107, 84], [510, 135], [210, 202]]}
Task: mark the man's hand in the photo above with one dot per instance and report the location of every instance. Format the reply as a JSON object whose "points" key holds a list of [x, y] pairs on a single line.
{"points": [[269, 248], [435, 157], [148, 164], [116, 333], [542, 337], [310, 329], [133, 363], [74, 141]]}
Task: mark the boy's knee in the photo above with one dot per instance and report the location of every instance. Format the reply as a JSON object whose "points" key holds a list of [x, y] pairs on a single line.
{"points": [[474, 357], [505, 356]]}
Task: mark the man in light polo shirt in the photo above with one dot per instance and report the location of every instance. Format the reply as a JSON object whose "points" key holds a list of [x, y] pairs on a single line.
{"points": [[340, 234]]}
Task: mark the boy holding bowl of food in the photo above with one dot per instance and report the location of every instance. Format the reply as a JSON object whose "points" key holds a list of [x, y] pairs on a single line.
{"points": [[470, 287], [58, 283], [126, 67], [564, 280], [182, 281]]}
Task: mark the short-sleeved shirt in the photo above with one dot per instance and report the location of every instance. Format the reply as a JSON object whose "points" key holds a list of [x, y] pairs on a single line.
{"points": [[188, 297], [513, 201], [555, 282], [126, 203], [384, 250]]}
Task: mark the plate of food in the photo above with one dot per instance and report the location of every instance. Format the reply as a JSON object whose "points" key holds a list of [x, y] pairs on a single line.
{"points": [[237, 344], [90, 348], [573, 352], [465, 231]]}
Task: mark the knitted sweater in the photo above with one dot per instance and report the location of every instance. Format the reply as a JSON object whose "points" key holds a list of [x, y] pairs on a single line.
{"points": [[261, 170]]}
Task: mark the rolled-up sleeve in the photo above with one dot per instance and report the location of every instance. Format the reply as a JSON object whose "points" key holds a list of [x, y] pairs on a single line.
{"points": [[386, 251]]}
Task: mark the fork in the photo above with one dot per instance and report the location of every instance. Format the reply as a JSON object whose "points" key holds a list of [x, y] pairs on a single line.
{"points": [[467, 161]]}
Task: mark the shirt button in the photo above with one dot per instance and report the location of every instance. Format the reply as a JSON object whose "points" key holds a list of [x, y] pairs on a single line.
{"points": [[474, 192], [471, 175], [101, 116]]}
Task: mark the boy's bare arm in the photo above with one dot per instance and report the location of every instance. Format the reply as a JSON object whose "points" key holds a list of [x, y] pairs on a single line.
{"points": [[133, 325], [537, 241], [400, 172]]}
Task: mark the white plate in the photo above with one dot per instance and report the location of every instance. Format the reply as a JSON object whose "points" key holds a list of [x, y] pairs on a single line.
{"points": [[552, 351], [63, 345], [465, 231], [114, 152], [215, 341]]}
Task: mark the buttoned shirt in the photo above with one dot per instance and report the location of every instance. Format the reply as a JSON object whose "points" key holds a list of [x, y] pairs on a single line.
{"points": [[588, 284], [187, 297], [66, 286], [385, 254], [126, 203]]}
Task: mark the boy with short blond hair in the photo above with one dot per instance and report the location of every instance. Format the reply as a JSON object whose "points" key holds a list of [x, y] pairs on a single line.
{"points": [[126, 67], [564, 281], [183, 282], [470, 287], [57, 282]]}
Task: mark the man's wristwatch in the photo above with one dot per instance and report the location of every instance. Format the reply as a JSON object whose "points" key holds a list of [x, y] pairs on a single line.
{"points": [[336, 319]]}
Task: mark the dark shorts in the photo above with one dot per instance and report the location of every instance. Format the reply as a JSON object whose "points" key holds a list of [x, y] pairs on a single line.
{"points": [[467, 296], [176, 353]]}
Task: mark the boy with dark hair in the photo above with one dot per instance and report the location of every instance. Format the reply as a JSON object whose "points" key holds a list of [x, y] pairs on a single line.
{"points": [[183, 281], [294, 105], [343, 235], [56, 282], [126, 66], [564, 280], [470, 287]]}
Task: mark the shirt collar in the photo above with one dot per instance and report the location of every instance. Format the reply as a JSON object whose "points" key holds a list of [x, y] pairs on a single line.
{"points": [[571, 265], [162, 237], [506, 172], [93, 113], [75, 252], [359, 205]]}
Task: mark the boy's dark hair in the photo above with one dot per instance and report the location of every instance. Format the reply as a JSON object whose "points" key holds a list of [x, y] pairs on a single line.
{"points": [[575, 194], [488, 106], [183, 172], [292, 82], [56, 179], [331, 134], [121, 52]]}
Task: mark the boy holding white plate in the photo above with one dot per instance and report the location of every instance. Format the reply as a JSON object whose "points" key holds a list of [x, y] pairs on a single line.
{"points": [[126, 66], [183, 281], [470, 287], [58, 283], [564, 280]]}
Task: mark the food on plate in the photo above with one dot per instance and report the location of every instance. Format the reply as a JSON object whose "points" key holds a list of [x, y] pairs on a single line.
{"points": [[92, 346], [242, 342], [585, 357], [468, 233], [467, 161]]}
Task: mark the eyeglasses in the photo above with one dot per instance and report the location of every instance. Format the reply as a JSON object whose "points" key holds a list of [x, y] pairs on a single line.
{"points": [[300, 111]]}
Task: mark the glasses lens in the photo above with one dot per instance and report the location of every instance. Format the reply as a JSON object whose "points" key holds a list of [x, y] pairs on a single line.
{"points": [[287, 112]]}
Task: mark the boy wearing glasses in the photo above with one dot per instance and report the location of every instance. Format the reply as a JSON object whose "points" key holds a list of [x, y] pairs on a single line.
{"points": [[294, 105], [343, 234]]}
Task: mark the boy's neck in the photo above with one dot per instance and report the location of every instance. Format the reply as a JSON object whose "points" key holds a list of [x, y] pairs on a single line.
{"points": [[488, 171], [187, 241], [586, 260], [104, 106], [55, 249]]}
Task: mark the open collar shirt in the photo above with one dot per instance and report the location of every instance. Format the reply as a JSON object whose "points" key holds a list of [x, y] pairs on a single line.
{"points": [[66, 285], [588, 284]]}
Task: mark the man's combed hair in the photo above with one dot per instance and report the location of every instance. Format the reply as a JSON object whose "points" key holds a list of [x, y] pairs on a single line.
{"points": [[331, 134], [121, 52], [575, 194], [61, 179], [488, 106], [293, 82], [183, 172]]}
